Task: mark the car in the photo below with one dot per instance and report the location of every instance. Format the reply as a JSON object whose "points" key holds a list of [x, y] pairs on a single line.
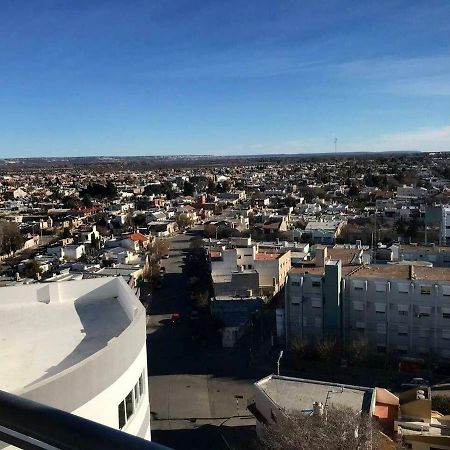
{"points": [[175, 318], [165, 256], [416, 382]]}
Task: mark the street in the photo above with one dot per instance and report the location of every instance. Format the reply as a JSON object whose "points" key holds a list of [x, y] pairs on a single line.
{"points": [[198, 394]]}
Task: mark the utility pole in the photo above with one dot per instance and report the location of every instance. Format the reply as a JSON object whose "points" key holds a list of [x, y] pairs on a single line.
{"points": [[278, 362]]}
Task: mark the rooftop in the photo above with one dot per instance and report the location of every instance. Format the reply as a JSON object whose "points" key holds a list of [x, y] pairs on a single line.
{"points": [[297, 395], [48, 328]]}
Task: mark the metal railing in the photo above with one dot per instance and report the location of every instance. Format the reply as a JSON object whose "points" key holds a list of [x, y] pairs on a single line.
{"points": [[30, 425]]}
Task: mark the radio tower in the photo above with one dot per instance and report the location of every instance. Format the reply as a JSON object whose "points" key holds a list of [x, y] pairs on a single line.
{"points": [[335, 147]]}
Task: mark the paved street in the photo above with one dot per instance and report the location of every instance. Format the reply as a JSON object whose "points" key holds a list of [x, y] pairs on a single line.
{"points": [[198, 395]]}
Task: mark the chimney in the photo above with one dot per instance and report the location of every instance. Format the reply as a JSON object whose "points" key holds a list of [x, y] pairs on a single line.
{"points": [[321, 256], [412, 274], [318, 409]]}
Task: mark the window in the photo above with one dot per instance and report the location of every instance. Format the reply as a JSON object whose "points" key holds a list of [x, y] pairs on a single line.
{"points": [[403, 313], [403, 310], [380, 308], [381, 348], [402, 349], [403, 330], [381, 328], [424, 333], [316, 283], [424, 311], [122, 418], [316, 303], [380, 287], [425, 290], [358, 306], [318, 322], [295, 283], [446, 334], [129, 407], [359, 285], [142, 383], [446, 290], [403, 288]]}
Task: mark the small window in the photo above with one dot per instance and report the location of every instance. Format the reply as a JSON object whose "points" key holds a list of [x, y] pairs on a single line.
{"points": [[141, 384], [295, 283], [446, 315], [380, 308], [381, 348], [129, 404], [316, 284], [403, 313], [425, 290], [122, 417], [137, 394]]}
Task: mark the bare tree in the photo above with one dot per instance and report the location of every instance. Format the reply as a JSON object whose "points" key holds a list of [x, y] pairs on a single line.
{"points": [[184, 221], [299, 348], [358, 350], [158, 249], [338, 428], [326, 349]]}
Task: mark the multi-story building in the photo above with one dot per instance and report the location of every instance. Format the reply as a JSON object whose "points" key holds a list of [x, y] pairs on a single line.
{"points": [[269, 267], [80, 347], [445, 225], [398, 309]]}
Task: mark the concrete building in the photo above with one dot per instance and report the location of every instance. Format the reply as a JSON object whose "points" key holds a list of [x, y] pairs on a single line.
{"points": [[270, 268], [445, 225], [399, 309], [278, 395], [78, 346]]}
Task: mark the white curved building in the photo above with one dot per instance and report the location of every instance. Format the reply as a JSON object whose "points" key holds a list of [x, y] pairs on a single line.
{"points": [[79, 346]]}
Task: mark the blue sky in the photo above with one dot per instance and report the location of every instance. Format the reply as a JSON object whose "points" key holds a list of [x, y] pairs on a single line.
{"points": [[129, 77]]}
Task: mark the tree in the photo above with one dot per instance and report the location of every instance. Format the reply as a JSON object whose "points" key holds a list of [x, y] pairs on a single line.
{"points": [[338, 428], [11, 239], [291, 201], [31, 269], [299, 348], [157, 250], [184, 221], [202, 299], [151, 272], [87, 201], [326, 349], [139, 220], [358, 350], [188, 188]]}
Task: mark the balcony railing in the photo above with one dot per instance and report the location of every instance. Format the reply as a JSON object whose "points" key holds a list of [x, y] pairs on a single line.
{"points": [[30, 425]]}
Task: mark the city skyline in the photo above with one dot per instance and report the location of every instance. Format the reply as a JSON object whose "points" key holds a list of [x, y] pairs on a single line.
{"points": [[199, 78]]}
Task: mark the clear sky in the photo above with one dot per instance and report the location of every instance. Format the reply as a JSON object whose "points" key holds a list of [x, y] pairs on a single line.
{"points": [[128, 77]]}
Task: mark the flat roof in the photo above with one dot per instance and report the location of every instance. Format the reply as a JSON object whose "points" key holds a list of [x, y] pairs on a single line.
{"points": [[49, 327], [296, 395]]}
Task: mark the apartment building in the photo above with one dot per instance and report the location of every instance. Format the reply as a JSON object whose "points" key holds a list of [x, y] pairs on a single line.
{"points": [[445, 225], [399, 309], [270, 267]]}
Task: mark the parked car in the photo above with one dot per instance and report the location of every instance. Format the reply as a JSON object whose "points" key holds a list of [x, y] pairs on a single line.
{"points": [[416, 382], [165, 256], [175, 318]]}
